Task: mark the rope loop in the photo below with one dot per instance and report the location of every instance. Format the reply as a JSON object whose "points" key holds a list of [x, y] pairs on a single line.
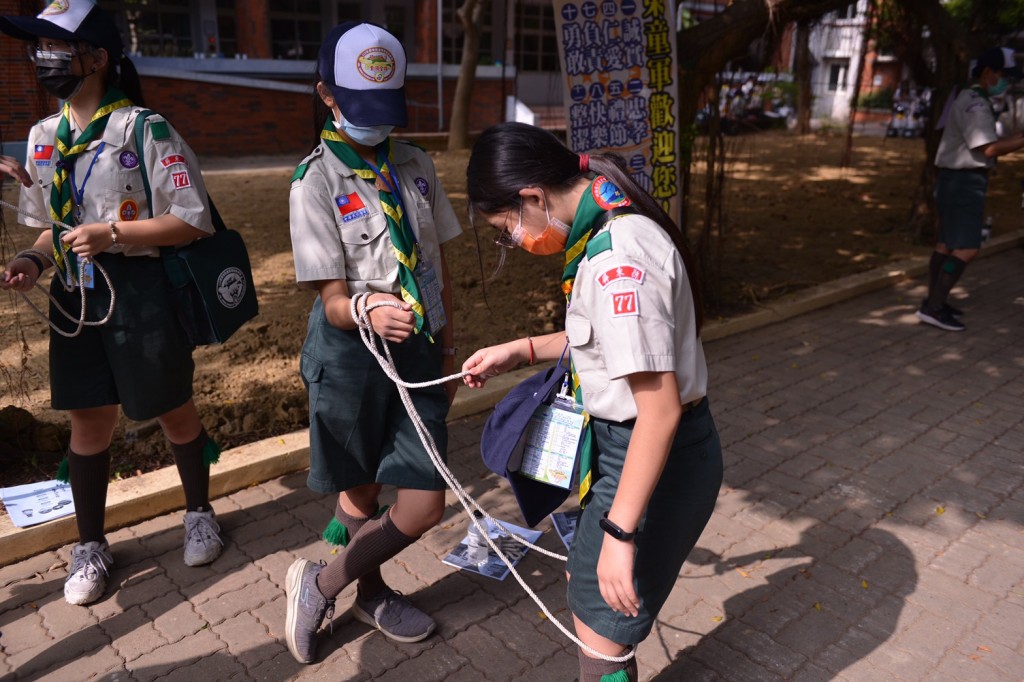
{"points": [[80, 322], [360, 308]]}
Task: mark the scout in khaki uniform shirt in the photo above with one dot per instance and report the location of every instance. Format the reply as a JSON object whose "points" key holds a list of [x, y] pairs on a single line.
{"points": [[967, 150], [368, 216], [651, 464], [84, 170]]}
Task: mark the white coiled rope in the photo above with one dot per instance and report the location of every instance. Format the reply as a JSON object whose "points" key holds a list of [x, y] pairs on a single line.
{"points": [[82, 262], [360, 308]]}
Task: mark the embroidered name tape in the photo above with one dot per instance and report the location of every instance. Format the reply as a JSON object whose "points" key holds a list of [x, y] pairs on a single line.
{"points": [[172, 160], [627, 272]]}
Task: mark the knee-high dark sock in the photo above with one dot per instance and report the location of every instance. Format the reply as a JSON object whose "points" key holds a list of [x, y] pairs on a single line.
{"points": [[600, 670], [376, 543], [949, 274], [342, 530], [194, 471], [935, 264], [88, 475]]}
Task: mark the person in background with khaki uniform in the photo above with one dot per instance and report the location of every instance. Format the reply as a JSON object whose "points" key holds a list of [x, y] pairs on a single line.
{"points": [[369, 216], [84, 170], [967, 152]]}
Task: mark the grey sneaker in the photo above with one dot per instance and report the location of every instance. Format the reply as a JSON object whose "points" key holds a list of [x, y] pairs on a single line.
{"points": [[87, 577], [394, 615], [307, 608], [202, 542]]}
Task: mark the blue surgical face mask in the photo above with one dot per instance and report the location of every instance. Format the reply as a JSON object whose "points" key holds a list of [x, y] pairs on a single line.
{"points": [[371, 136], [999, 88]]}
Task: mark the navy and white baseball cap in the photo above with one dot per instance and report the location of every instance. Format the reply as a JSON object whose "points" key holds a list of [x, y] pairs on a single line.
{"points": [[503, 434], [998, 59], [364, 66], [71, 21]]}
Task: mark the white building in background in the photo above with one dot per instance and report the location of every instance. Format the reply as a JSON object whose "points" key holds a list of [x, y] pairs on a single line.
{"points": [[836, 44]]}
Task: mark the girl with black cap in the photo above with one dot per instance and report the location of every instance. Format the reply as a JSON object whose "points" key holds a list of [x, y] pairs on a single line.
{"points": [[369, 217], [83, 170]]}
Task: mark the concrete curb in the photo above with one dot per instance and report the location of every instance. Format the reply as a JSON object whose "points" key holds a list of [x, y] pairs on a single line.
{"points": [[158, 492]]}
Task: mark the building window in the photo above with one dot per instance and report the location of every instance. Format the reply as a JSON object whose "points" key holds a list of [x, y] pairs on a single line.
{"points": [[536, 41], [454, 37], [837, 76], [154, 29], [227, 34], [848, 12], [295, 29]]}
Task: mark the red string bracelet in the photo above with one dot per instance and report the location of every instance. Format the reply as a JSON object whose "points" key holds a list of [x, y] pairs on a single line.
{"points": [[530, 341]]}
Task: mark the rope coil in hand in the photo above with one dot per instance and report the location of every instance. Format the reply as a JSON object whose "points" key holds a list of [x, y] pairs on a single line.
{"points": [[82, 263], [360, 308]]}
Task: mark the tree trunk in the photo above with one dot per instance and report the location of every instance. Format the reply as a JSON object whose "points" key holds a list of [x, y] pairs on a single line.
{"points": [[846, 158], [802, 66], [469, 14]]}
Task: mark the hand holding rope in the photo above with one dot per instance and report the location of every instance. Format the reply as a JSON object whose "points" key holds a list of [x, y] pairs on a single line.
{"points": [[360, 308]]}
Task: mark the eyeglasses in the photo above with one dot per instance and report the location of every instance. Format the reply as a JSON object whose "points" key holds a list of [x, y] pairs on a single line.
{"points": [[505, 239], [37, 54]]}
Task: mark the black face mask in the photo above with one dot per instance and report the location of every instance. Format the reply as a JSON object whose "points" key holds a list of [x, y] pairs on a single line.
{"points": [[54, 74]]}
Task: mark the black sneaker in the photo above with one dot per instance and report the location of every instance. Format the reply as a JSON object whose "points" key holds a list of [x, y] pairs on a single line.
{"points": [[952, 310], [940, 318], [306, 609]]}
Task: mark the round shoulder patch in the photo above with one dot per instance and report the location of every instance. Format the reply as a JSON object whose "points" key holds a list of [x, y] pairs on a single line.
{"points": [[376, 64], [607, 195]]}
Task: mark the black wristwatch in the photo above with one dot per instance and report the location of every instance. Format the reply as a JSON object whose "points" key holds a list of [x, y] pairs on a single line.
{"points": [[608, 527]]}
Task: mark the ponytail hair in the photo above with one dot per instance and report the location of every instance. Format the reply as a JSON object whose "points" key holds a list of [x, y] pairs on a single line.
{"points": [[127, 78], [511, 156], [320, 111]]}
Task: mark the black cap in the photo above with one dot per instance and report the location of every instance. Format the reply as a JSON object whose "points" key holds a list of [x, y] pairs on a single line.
{"points": [[71, 21], [997, 59]]}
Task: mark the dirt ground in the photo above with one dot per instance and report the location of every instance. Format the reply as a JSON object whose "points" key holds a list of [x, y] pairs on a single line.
{"points": [[793, 218]]}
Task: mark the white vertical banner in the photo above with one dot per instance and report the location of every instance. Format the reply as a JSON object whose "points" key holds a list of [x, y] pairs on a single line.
{"points": [[621, 90]]}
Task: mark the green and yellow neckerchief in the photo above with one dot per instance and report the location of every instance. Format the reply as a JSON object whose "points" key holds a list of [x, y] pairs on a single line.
{"points": [[67, 152], [402, 237], [599, 198]]}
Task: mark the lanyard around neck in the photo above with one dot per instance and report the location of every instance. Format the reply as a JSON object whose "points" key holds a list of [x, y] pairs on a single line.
{"points": [[79, 192]]}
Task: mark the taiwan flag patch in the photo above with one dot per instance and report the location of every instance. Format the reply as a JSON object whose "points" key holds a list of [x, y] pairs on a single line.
{"points": [[350, 206], [42, 153]]}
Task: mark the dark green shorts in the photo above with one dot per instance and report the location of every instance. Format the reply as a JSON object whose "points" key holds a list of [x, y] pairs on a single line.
{"points": [[359, 429], [139, 359], [960, 201], [676, 515]]}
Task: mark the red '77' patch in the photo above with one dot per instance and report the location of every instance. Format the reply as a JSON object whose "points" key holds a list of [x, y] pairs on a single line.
{"points": [[181, 180], [624, 303]]}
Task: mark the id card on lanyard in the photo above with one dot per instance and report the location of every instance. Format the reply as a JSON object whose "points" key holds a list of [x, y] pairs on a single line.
{"points": [[86, 276]]}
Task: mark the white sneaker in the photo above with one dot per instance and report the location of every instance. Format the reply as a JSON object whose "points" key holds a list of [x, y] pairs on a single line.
{"points": [[87, 578], [202, 542]]}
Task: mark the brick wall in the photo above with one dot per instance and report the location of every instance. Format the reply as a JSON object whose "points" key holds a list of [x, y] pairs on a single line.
{"points": [[24, 102], [228, 120]]}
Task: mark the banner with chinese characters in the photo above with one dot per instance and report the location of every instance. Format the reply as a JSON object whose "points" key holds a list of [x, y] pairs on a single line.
{"points": [[619, 62]]}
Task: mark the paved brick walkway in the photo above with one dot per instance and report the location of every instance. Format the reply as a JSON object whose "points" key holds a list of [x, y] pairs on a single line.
{"points": [[869, 529]]}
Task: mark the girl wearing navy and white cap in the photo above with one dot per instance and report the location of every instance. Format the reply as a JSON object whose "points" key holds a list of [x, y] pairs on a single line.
{"points": [[83, 169], [650, 477], [369, 216]]}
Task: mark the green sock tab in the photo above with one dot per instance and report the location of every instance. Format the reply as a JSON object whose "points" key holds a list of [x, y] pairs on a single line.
{"points": [[336, 533], [62, 471], [211, 452]]}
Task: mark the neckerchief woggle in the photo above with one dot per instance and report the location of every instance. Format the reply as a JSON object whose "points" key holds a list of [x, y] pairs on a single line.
{"points": [[403, 239], [61, 203], [583, 227]]}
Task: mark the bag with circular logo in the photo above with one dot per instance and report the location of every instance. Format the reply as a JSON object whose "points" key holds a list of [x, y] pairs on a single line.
{"points": [[211, 279]]}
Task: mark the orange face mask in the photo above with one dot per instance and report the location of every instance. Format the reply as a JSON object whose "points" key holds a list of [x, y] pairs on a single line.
{"points": [[551, 241]]}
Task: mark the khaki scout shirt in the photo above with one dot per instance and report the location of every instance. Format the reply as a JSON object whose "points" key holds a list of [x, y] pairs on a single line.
{"points": [[970, 126], [632, 311], [114, 189], [338, 226]]}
